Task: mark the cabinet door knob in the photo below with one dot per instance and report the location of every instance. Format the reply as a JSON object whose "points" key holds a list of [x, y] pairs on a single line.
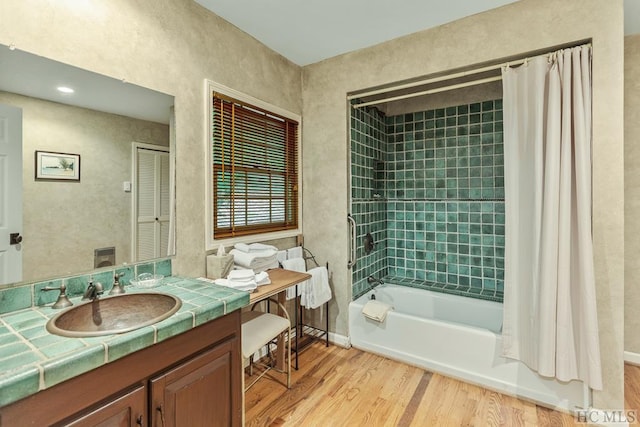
{"points": [[139, 421]]}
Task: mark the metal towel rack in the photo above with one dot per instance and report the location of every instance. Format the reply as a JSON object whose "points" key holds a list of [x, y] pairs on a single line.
{"points": [[306, 333]]}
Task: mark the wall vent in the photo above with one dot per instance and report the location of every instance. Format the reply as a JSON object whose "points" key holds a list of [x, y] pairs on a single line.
{"points": [[104, 257]]}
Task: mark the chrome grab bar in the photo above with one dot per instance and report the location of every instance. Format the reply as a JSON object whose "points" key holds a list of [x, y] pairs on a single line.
{"points": [[353, 256]]}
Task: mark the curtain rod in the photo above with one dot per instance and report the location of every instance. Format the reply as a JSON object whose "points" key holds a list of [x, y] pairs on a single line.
{"points": [[430, 91], [439, 79]]}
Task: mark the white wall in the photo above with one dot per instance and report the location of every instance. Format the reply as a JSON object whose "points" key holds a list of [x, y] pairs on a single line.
{"points": [[513, 30], [632, 192]]}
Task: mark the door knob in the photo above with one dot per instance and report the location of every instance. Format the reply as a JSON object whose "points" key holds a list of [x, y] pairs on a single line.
{"points": [[15, 238]]}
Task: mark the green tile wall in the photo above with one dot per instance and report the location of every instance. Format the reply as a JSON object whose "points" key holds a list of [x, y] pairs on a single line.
{"points": [[368, 208], [441, 184]]}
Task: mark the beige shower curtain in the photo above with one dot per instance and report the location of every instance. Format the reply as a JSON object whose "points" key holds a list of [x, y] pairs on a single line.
{"points": [[550, 317]]}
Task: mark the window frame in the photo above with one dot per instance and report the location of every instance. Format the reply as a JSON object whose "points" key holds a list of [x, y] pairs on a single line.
{"points": [[210, 242]]}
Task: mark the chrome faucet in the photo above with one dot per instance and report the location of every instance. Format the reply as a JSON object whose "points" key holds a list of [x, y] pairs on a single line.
{"points": [[374, 282], [93, 291]]}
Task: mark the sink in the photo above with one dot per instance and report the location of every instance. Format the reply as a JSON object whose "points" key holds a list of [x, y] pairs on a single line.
{"points": [[113, 315]]}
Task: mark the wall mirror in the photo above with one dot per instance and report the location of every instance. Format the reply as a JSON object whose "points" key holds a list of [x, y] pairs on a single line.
{"points": [[95, 179]]}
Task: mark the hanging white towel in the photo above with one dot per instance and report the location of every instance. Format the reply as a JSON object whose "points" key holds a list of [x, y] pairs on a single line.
{"points": [[295, 264], [317, 291], [295, 252], [281, 256], [376, 310]]}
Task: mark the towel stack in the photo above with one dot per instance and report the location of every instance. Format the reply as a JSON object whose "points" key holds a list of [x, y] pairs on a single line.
{"points": [[255, 256], [244, 280]]}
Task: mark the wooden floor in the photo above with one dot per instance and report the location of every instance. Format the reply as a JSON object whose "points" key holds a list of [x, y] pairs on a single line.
{"points": [[349, 387]]}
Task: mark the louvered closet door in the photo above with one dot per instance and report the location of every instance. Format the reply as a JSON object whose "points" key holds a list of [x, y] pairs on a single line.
{"points": [[152, 203]]}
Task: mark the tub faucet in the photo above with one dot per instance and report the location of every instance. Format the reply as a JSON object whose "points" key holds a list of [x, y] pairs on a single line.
{"points": [[93, 291], [374, 282]]}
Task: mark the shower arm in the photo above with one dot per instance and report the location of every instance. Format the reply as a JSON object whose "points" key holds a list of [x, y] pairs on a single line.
{"points": [[353, 256]]}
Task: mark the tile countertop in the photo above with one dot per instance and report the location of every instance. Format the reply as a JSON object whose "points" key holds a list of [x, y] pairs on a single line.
{"points": [[32, 359]]}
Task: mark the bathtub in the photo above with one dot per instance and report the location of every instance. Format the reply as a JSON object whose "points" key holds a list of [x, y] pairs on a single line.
{"points": [[455, 336]]}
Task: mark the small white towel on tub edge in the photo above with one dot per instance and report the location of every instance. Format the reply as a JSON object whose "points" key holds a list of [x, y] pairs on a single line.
{"points": [[376, 310]]}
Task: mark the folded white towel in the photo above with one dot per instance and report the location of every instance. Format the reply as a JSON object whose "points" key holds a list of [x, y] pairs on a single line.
{"points": [[242, 247], [242, 286], [262, 278], [295, 252], [259, 247], [317, 291], [295, 264], [376, 310], [241, 274], [257, 261], [254, 247]]}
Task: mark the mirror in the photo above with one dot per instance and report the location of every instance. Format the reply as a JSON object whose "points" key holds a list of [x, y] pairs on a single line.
{"points": [[101, 136]]}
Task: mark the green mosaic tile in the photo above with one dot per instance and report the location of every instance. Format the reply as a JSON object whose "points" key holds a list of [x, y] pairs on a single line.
{"points": [[211, 311], [13, 299], [145, 268], [72, 364], [124, 344], [19, 360], [12, 349], [18, 385], [23, 319], [76, 286], [60, 347]]}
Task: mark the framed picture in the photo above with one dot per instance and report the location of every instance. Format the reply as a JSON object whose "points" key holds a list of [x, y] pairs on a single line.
{"points": [[52, 166]]}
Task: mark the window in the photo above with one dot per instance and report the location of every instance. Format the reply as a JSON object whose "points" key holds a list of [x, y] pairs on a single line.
{"points": [[254, 167]]}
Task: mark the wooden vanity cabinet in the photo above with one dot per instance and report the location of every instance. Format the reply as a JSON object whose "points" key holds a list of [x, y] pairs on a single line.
{"points": [[128, 410], [191, 379]]}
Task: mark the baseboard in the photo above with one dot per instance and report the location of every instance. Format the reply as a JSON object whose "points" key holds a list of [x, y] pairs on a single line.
{"points": [[633, 358], [340, 340]]}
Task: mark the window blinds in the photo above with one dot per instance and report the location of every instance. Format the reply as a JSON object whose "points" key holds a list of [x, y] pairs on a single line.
{"points": [[255, 169]]}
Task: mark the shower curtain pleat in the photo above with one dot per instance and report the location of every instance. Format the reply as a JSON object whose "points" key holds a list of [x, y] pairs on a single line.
{"points": [[550, 315]]}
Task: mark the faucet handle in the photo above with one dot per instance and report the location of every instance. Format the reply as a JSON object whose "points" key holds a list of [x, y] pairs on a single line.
{"points": [[118, 288], [63, 300]]}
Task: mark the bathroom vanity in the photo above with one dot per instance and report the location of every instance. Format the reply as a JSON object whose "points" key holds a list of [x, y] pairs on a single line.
{"points": [[189, 375]]}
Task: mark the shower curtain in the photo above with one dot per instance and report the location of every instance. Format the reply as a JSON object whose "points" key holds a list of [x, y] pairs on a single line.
{"points": [[550, 317]]}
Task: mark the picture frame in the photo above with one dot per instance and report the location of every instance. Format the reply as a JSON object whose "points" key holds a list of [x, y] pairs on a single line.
{"points": [[54, 166]]}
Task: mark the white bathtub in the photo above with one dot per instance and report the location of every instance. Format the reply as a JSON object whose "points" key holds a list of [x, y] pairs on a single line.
{"points": [[455, 336]]}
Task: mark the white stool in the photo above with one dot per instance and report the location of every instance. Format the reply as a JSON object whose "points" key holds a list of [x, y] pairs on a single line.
{"points": [[259, 329]]}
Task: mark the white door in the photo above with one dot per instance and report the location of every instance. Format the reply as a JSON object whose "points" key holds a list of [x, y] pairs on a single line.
{"points": [[10, 194], [152, 203]]}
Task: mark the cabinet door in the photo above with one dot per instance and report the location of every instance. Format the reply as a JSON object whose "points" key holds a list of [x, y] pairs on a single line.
{"points": [[200, 392], [128, 410]]}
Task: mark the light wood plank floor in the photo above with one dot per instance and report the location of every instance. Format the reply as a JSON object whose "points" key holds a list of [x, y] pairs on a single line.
{"points": [[349, 387]]}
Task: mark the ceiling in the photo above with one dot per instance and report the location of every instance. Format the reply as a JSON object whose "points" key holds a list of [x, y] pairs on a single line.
{"points": [[310, 31], [31, 75]]}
